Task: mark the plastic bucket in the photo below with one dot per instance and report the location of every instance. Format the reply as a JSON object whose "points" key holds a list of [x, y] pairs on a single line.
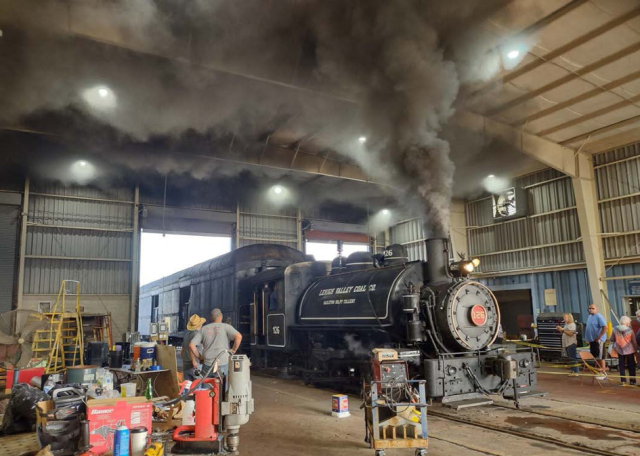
{"points": [[128, 389]]}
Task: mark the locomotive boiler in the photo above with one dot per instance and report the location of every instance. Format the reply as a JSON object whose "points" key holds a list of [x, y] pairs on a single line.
{"points": [[323, 325]]}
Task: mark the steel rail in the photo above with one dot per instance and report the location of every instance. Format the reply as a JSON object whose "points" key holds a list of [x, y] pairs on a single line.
{"points": [[554, 415], [525, 435]]}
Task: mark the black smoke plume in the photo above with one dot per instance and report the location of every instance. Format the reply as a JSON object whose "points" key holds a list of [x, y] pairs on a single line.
{"points": [[388, 70]]}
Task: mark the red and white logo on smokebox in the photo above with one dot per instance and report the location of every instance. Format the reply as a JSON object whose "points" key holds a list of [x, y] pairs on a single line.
{"points": [[478, 315]]}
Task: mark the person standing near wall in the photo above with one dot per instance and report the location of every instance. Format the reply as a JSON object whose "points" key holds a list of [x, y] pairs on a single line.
{"points": [[627, 347], [595, 334], [570, 341]]}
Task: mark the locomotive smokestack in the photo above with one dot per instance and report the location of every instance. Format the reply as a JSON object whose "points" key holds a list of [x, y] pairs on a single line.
{"points": [[437, 260]]}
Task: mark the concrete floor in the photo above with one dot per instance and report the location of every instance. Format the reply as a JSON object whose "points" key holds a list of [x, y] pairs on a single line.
{"points": [[292, 419]]}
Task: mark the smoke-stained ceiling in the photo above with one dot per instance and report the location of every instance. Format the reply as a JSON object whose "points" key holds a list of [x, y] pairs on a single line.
{"points": [[284, 89]]}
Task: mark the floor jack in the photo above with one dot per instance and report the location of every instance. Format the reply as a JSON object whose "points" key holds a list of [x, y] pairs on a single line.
{"points": [[219, 413]]}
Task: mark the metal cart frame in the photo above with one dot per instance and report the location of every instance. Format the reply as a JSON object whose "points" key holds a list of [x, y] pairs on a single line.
{"points": [[373, 437]]}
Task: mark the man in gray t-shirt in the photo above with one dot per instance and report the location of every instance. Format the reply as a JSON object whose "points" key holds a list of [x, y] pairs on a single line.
{"points": [[215, 338]]}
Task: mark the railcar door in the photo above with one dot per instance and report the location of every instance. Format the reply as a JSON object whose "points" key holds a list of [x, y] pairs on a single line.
{"points": [[258, 309]]}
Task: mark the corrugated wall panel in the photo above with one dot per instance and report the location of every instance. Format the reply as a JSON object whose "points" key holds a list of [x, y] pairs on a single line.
{"points": [[43, 276], [618, 179], [96, 277], [537, 177], [552, 220], [66, 212], [618, 289], [632, 150], [572, 288], [78, 243], [259, 227], [480, 212], [620, 215], [112, 193], [9, 223], [550, 197], [411, 234]]}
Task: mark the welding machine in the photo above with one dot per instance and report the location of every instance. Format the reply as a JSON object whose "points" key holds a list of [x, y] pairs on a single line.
{"points": [[221, 408], [388, 369]]}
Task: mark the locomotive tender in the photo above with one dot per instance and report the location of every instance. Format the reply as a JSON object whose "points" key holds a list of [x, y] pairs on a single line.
{"points": [[323, 323]]}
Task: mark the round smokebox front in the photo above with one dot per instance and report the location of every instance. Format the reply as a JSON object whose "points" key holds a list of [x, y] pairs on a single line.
{"points": [[472, 316]]}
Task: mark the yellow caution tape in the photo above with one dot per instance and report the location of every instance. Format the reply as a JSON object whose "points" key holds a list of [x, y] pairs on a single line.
{"points": [[562, 366], [588, 375], [529, 344]]}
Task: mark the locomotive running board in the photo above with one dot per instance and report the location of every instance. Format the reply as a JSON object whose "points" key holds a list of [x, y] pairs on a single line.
{"points": [[462, 401], [468, 403], [525, 395]]}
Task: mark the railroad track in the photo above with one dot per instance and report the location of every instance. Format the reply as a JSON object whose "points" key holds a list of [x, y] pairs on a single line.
{"points": [[632, 427], [624, 440]]}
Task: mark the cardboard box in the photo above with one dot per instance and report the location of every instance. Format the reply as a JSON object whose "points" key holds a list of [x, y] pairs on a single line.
{"points": [[105, 415], [340, 405], [42, 408]]}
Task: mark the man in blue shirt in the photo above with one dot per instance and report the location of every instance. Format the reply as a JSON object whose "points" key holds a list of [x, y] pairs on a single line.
{"points": [[595, 334]]}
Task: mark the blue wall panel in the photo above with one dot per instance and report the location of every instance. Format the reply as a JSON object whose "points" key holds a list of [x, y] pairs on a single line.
{"points": [[572, 288]]}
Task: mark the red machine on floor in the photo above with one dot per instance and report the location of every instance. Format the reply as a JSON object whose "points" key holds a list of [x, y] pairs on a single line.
{"points": [[204, 434], [220, 411]]}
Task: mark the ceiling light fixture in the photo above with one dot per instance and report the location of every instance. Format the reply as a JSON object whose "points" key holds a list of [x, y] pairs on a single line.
{"points": [[277, 190], [385, 211], [362, 139], [82, 163], [513, 54], [104, 93]]}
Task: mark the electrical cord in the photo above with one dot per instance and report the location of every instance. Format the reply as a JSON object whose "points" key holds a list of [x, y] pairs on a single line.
{"points": [[193, 387]]}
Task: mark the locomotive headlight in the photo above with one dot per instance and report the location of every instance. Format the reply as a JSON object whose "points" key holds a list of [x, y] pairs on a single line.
{"points": [[468, 267], [476, 262]]}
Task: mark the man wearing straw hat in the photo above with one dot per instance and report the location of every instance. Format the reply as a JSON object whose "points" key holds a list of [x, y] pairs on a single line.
{"points": [[189, 359]]}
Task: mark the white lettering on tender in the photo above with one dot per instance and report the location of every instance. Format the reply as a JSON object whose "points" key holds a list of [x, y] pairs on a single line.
{"points": [[347, 290]]}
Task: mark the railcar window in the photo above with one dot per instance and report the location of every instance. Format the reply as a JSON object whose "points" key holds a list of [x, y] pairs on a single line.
{"points": [[155, 308], [273, 296]]}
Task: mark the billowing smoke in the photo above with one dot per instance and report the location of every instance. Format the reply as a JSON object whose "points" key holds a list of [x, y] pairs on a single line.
{"points": [[356, 346], [387, 70]]}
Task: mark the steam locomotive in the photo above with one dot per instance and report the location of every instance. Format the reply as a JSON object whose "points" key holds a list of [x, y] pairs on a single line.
{"points": [[321, 321]]}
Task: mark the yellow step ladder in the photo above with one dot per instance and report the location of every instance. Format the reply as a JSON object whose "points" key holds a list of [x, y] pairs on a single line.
{"points": [[62, 342]]}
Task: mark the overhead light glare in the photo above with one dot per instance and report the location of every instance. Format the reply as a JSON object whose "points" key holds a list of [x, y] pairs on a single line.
{"points": [[104, 93], [362, 139], [476, 262], [385, 211], [469, 267], [277, 190], [490, 176], [513, 54], [82, 163]]}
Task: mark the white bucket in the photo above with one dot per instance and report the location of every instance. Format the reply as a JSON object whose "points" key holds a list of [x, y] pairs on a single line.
{"points": [[128, 389]]}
